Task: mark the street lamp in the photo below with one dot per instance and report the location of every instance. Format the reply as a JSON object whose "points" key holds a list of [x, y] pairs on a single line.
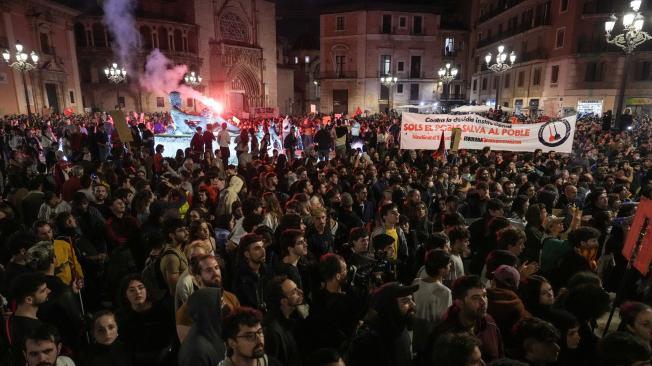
{"points": [[446, 76], [24, 64], [631, 37], [500, 66], [194, 81], [116, 75], [389, 81]]}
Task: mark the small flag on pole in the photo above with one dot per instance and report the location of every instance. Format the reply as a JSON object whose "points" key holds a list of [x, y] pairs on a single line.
{"points": [[441, 150]]}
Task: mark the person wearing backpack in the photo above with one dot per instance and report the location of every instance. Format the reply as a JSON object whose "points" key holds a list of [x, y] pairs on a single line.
{"points": [[172, 261]]}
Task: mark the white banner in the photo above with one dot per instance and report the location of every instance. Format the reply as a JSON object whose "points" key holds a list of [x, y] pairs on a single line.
{"points": [[423, 132]]}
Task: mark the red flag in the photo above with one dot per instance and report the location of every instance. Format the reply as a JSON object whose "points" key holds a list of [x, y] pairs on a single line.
{"points": [[643, 256], [441, 150]]}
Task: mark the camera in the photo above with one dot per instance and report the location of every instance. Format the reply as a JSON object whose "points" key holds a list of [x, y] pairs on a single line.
{"points": [[372, 275]]}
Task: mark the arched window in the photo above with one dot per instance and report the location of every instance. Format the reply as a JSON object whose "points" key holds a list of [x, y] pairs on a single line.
{"points": [[178, 41], [80, 35], [163, 43], [192, 42], [99, 38], [146, 37], [233, 28]]}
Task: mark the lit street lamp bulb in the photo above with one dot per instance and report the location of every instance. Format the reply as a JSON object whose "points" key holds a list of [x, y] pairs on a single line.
{"points": [[628, 19]]}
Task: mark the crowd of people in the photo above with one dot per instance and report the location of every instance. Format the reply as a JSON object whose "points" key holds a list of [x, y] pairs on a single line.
{"points": [[331, 247]]}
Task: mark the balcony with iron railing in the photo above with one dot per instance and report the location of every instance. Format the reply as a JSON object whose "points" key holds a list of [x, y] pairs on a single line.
{"points": [[538, 22], [538, 54], [409, 75], [595, 7], [336, 74], [449, 54], [600, 45], [502, 6], [452, 96]]}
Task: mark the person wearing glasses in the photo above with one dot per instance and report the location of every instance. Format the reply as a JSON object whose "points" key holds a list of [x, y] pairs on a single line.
{"points": [[245, 340]]}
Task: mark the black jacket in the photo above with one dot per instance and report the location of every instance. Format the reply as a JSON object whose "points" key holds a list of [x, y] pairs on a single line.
{"points": [[280, 341], [101, 355], [203, 346], [249, 286]]}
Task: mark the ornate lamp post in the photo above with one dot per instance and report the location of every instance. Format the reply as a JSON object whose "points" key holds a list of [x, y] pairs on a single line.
{"points": [[631, 37], [116, 75], [446, 76], [500, 66], [194, 81], [389, 81], [23, 63]]}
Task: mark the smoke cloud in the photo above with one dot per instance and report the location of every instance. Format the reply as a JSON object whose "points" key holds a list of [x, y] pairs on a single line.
{"points": [[161, 76], [119, 19]]}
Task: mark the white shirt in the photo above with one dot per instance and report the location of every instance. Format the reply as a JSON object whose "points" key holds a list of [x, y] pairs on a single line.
{"points": [[457, 270], [432, 300], [224, 138]]}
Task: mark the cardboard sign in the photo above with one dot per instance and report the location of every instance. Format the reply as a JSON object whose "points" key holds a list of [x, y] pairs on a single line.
{"points": [[644, 256], [455, 139], [120, 123]]}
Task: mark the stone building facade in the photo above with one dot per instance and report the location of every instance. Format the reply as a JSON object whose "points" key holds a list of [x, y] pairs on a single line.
{"points": [[45, 27], [362, 42], [564, 64]]}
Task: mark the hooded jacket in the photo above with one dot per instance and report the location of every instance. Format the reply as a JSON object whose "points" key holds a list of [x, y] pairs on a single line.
{"points": [[229, 195], [506, 308], [203, 346]]}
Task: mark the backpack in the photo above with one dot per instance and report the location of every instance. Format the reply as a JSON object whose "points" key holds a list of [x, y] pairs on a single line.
{"points": [[153, 277]]}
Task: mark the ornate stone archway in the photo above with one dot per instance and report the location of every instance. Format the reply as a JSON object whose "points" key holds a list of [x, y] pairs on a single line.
{"points": [[243, 88]]}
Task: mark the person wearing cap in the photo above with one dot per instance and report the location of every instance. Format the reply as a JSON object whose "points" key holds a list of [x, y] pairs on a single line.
{"points": [[383, 338], [504, 304], [538, 342], [468, 314]]}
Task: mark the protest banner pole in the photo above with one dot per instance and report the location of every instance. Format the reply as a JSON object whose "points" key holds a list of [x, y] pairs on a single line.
{"points": [[630, 264]]}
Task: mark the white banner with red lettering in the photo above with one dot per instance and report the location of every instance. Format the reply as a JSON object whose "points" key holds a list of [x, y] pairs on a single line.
{"points": [[423, 132]]}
